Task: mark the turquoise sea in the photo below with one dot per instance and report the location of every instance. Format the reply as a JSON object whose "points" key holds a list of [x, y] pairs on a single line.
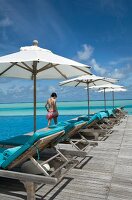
{"points": [[17, 118]]}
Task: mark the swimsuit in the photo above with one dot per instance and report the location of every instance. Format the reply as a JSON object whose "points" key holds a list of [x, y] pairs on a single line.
{"points": [[52, 114]]}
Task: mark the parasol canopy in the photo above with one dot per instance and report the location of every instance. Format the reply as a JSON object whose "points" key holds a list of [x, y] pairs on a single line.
{"points": [[33, 62], [87, 80]]}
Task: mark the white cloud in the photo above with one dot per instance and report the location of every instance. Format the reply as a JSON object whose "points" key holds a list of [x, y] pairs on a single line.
{"points": [[38, 88], [86, 53], [121, 60], [16, 89], [97, 68], [123, 74], [118, 73]]}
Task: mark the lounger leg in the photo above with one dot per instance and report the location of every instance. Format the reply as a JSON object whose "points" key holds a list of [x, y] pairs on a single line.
{"points": [[30, 188], [74, 145], [39, 166], [96, 135]]}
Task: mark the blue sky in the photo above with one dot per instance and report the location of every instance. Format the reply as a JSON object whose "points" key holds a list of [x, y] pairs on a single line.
{"points": [[94, 32]]}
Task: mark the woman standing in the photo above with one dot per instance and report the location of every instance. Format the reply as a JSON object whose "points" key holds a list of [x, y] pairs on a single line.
{"points": [[52, 108]]}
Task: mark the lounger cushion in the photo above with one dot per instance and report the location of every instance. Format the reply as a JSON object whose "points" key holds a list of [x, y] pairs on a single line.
{"points": [[67, 126], [79, 123], [15, 155], [93, 118], [85, 117], [52, 126], [75, 122], [102, 115], [110, 113], [2, 159], [22, 139], [26, 146], [10, 151], [36, 136], [2, 149], [71, 124], [15, 141]]}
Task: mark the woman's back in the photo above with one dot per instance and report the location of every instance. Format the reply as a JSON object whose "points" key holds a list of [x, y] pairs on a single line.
{"points": [[52, 104]]}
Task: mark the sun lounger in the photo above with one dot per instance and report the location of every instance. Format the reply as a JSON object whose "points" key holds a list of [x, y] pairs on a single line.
{"points": [[80, 143], [70, 127], [120, 112], [104, 119], [10, 158], [96, 126], [113, 119]]}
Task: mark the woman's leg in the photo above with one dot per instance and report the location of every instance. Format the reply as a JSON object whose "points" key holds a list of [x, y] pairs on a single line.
{"points": [[55, 120], [49, 121]]}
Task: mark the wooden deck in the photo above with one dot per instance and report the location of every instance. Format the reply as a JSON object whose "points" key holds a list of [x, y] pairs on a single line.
{"points": [[105, 174]]}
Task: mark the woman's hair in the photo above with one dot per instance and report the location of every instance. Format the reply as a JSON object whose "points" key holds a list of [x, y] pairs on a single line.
{"points": [[53, 94]]}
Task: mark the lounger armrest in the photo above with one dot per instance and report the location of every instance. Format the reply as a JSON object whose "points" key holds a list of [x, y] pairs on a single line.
{"points": [[28, 177]]}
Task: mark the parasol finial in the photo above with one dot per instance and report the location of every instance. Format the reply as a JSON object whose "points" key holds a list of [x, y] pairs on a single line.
{"points": [[35, 43]]}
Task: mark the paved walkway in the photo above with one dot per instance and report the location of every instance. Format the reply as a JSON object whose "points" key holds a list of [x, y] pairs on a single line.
{"points": [[105, 174]]}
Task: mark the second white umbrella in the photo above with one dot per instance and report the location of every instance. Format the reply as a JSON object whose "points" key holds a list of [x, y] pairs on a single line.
{"points": [[87, 80]]}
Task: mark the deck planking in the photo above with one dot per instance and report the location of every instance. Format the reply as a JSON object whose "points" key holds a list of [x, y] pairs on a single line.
{"points": [[105, 174]]}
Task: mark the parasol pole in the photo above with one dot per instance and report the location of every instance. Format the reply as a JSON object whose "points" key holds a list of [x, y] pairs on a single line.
{"points": [[113, 98], [34, 93], [88, 99], [35, 43], [104, 100]]}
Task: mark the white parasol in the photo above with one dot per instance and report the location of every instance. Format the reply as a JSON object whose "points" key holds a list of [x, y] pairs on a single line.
{"points": [[113, 90], [104, 87], [87, 80], [33, 62]]}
